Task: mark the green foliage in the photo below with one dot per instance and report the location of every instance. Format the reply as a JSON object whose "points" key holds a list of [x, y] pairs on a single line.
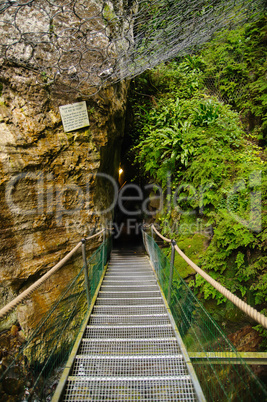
{"points": [[262, 332], [108, 13], [206, 114], [190, 138], [219, 174], [236, 60], [209, 292], [194, 248]]}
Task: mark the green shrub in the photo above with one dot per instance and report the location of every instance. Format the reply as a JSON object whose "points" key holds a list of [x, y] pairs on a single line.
{"points": [[205, 146]]}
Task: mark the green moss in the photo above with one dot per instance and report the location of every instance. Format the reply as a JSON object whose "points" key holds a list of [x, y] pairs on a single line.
{"points": [[194, 247], [108, 13], [227, 314]]}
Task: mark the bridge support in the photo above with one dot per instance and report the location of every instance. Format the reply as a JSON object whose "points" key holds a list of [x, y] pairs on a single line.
{"points": [[86, 278], [253, 358], [173, 244]]}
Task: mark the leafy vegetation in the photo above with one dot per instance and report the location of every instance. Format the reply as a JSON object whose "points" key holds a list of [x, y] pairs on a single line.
{"points": [[236, 62], [212, 153]]}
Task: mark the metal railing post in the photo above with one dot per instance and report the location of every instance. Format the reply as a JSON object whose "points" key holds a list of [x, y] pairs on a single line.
{"points": [[85, 266], [103, 254], [173, 244], [151, 248]]}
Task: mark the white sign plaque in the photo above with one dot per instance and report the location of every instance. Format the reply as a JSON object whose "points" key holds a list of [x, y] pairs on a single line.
{"points": [[74, 116]]}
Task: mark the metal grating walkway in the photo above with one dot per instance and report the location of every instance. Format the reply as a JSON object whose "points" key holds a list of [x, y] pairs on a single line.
{"points": [[130, 350]]}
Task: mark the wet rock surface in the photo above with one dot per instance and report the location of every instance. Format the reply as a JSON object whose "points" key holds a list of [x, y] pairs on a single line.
{"points": [[248, 339], [15, 376]]}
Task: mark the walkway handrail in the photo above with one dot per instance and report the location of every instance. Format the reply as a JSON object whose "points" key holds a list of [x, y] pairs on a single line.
{"points": [[15, 302], [250, 311]]}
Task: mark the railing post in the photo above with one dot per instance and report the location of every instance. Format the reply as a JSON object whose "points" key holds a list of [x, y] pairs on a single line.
{"points": [[85, 266], [151, 248], [173, 243], [145, 240], [103, 253]]}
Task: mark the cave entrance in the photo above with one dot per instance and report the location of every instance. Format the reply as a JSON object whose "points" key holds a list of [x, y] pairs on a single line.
{"points": [[128, 213], [128, 217]]}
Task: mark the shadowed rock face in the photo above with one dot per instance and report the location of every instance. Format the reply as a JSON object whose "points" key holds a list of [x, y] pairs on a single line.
{"points": [[48, 186]]}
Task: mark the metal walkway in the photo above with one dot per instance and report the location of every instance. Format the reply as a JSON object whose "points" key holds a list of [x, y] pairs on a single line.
{"points": [[131, 349]]}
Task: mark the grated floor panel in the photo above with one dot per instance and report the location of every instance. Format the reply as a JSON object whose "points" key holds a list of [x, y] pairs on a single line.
{"points": [[133, 366], [130, 319], [129, 276], [130, 310], [138, 346], [130, 294], [129, 351], [117, 331], [113, 301], [130, 389], [129, 282], [130, 288]]}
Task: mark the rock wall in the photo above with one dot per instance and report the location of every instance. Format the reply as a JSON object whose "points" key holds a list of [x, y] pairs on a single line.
{"points": [[48, 177], [49, 189], [56, 187], [53, 189]]}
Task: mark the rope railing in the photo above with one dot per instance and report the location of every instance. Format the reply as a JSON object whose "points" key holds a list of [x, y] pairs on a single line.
{"points": [[15, 302], [48, 318], [220, 380], [250, 311]]}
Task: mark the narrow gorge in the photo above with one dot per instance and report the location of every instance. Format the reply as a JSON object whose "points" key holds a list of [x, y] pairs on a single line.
{"points": [[184, 119]]}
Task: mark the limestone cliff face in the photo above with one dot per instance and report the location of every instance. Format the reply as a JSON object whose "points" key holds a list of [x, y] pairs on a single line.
{"points": [[52, 193], [48, 177]]}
